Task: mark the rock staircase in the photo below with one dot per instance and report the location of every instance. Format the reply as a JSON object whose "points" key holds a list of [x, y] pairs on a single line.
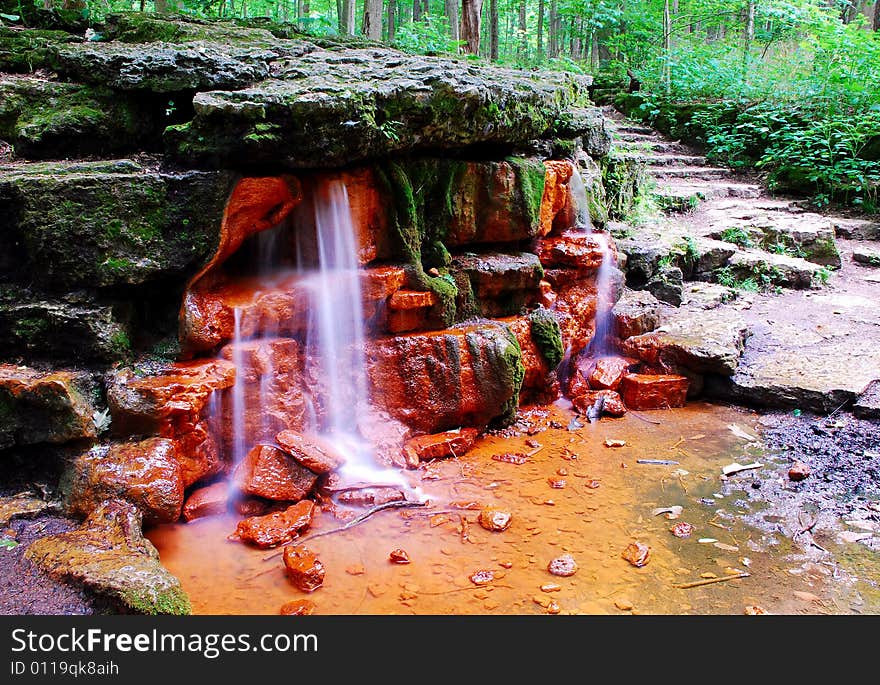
{"points": [[762, 301]]}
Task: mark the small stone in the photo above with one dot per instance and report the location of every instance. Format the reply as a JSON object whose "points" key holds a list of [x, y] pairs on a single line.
{"points": [[623, 605], [210, 500], [399, 556], [542, 600], [298, 607], [511, 458], [276, 528], [355, 570], [799, 471], [708, 576], [482, 577], [562, 471], [303, 568], [505, 564], [494, 520], [615, 443], [377, 590], [563, 566], [551, 587], [553, 608], [556, 483], [637, 553], [754, 610], [682, 530]]}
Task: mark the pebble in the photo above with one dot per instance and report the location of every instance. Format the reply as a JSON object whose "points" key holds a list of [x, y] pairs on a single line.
{"points": [[798, 471], [563, 566], [399, 556], [637, 553], [623, 605]]}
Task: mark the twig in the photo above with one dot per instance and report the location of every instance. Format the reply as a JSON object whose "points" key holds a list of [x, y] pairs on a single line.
{"points": [[535, 451], [397, 504], [677, 443], [709, 581], [646, 420]]}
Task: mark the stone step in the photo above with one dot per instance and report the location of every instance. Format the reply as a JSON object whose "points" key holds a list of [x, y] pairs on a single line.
{"points": [[699, 172], [625, 146], [635, 137], [866, 256], [856, 229], [684, 195], [666, 159], [767, 269], [635, 128]]}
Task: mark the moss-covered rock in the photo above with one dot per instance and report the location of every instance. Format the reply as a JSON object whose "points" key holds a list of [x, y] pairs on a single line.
{"points": [[26, 51], [547, 335], [38, 407], [78, 326], [110, 555], [104, 224], [50, 119], [501, 283]]}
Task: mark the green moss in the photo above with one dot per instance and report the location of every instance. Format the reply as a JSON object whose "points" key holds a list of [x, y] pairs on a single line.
{"points": [[120, 344], [510, 370], [171, 602], [27, 329], [547, 335], [530, 175]]}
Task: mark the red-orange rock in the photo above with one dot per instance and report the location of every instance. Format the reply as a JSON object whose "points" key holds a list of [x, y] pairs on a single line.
{"points": [[539, 384], [613, 405], [576, 312], [40, 407], [276, 528], [799, 471], [298, 607], [268, 472], [409, 310], [145, 473], [173, 402], [653, 392], [494, 520], [369, 210], [435, 381], [370, 496], [637, 553], [556, 205], [398, 556], [571, 249], [608, 372], [303, 568], [311, 451], [441, 445], [682, 530], [210, 500]]}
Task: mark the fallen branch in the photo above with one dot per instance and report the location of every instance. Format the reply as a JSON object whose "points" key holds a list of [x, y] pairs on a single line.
{"points": [[397, 504], [646, 420], [709, 581]]}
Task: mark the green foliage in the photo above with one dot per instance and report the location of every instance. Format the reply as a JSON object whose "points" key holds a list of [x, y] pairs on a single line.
{"points": [[737, 236]]}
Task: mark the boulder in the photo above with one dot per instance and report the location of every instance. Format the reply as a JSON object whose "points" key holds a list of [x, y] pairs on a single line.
{"points": [[37, 406], [662, 391], [440, 445], [770, 269], [613, 405], [557, 208], [468, 375], [110, 555], [707, 342], [209, 500], [868, 256], [666, 284], [573, 249], [145, 473], [635, 313], [608, 372], [278, 527], [268, 472], [314, 453], [500, 283]]}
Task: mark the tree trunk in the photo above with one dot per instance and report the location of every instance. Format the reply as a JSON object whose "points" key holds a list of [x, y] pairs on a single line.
{"points": [[470, 24], [346, 17], [876, 23], [523, 46], [372, 26], [451, 7], [541, 28], [392, 20], [667, 46], [553, 39]]}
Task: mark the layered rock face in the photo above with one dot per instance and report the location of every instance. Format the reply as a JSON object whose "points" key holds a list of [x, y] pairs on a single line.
{"points": [[184, 264]]}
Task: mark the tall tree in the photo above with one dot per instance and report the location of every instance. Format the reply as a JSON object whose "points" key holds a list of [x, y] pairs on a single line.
{"points": [[372, 26], [541, 28], [876, 22], [346, 16], [451, 7], [523, 46], [493, 30], [470, 24], [392, 20], [553, 39]]}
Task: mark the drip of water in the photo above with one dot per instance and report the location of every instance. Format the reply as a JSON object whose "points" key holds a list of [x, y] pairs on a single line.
{"points": [[239, 448]]}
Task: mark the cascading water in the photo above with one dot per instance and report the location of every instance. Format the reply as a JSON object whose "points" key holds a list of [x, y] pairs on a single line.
{"points": [[322, 278], [604, 322]]}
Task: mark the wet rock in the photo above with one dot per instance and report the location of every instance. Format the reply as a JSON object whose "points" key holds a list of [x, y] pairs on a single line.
{"points": [[370, 496], [210, 500], [556, 483], [572, 249], [409, 310], [268, 472], [666, 285], [613, 405], [23, 505], [483, 577], [494, 520], [145, 473], [682, 530], [635, 313], [637, 553], [799, 471], [303, 568], [516, 458], [501, 283], [398, 556], [653, 391], [298, 607], [441, 445], [755, 610], [540, 342], [310, 451], [278, 527], [463, 376], [40, 407], [173, 402], [110, 555], [608, 372], [774, 269], [866, 255], [563, 566], [557, 208], [711, 342]]}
